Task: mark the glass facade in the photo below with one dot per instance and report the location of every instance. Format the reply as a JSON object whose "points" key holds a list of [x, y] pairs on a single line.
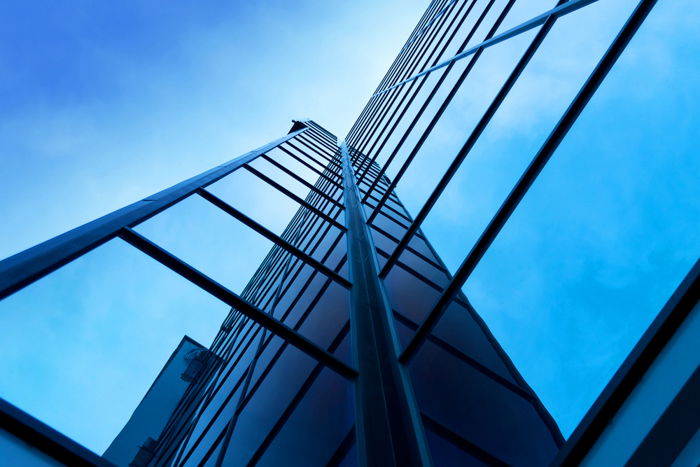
{"points": [[366, 329]]}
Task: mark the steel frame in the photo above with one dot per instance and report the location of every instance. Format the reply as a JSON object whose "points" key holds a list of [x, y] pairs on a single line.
{"points": [[389, 426]]}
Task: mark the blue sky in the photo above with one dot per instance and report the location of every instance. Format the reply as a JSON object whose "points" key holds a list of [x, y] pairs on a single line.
{"points": [[103, 104], [106, 103]]}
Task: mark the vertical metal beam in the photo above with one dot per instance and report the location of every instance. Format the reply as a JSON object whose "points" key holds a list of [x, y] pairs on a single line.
{"points": [[388, 427]]}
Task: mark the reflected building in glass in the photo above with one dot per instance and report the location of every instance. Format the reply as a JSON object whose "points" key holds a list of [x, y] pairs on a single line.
{"points": [[352, 343]]}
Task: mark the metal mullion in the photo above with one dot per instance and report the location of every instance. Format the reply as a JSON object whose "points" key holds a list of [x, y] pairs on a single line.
{"points": [[313, 221], [317, 149], [296, 198], [302, 229], [422, 21], [314, 169], [446, 101], [343, 448], [227, 208], [404, 55], [387, 418], [472, 139], [262, 298], [429, 282], [274, 359], [329, 162], [473, 449], [620, 390], [407, 65], [416, 93], [228, 353], [402, 70], [177, 421], [40, 436], [382, 110], [22, 269], [332, 144], [185, 456], [411, 249], [320, 142], [322, 131], [229, 297], [264, 276], [426, 52], [210, 394], [298, 325], [359, 124], [427, 26], [318, 170], [566, 8], [321, 156], [533, 170], [306, 284], [298, 397], [251, 366], [302, 181], [390, 208], [427, 16], [327, 230], [468, 360], [326, 255], [394, 220]]}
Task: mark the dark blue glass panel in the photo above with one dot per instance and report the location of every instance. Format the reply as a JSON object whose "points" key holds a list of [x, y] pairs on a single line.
{"points": [[267, 403], [479, 409], [317, 426], [446, 454]]}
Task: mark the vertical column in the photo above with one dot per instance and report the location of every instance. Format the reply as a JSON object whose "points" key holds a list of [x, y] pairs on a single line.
{"points": [[388, 427]]}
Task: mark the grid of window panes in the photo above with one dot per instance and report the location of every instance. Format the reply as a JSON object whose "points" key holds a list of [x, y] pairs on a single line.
{"points": [[262, 398], [478, 100], [512, 131]]}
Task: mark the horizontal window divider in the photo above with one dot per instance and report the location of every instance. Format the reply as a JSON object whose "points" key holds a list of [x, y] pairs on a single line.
{"points": [[330, 162], [470, 141], [302, 181], [296, 198], [273, 237], [532, 23], [232, 299], [22, 269], [528, 177], [463, 444], [310, 167], [436, 117], [469, 360], [318, 141]]}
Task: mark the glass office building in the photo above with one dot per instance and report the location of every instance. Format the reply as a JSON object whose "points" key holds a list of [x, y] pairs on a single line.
{"points": [[354, 342]]}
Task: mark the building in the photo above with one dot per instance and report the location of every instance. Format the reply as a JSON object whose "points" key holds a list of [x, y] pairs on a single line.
{"points": [[352, 343]]}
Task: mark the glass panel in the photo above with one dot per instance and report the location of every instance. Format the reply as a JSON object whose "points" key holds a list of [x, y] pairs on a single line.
{"points": [[259, 200], [452, 130], [524, 11], [466, 334], [100, 329], [446, 453], [318, 424], [415, 305], [610, 227], [262, 410], [479, 409], [521, 125], [608, 230], [209, 240]]}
